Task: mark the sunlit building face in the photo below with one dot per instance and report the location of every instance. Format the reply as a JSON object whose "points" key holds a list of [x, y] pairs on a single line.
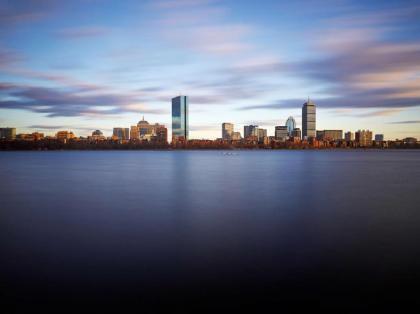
{"points": [[180, 118]]}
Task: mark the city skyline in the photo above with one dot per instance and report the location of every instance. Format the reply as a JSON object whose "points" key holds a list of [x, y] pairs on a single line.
{"points": [[180, 129], [64, 67]]}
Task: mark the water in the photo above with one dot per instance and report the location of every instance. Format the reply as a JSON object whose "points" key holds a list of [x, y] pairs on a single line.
{"points": [[206, 230]]}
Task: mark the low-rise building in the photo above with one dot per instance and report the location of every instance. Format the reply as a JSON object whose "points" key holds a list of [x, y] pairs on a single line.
{"points": [[281, 133], [7, 133], [64, 135], [329, 135], [364, 138], [349, 136]]}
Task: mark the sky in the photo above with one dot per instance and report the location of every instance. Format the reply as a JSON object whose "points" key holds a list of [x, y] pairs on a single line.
{"points": [[97, 64]]}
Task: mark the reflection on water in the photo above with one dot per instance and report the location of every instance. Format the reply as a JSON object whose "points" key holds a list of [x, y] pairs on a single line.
{"points": [[186, 227]]}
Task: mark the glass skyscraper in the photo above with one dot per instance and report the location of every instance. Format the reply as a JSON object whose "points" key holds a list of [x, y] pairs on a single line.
{"points": [[180, 118], [309, 119], [291, 125]]}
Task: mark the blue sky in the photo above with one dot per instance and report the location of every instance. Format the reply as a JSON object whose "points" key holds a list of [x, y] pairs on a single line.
{"points": [[98, 64]]}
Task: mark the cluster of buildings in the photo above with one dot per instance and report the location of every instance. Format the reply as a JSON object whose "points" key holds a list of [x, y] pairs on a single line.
{"points": [[287, 135], [290, 133]]}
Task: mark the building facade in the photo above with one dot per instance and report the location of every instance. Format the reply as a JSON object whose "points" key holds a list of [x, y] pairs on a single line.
{"points": [[364, 138], [121, 133], [250, 130], [8, 133], [309, 119], [297, 133], [291, 125], [180, 118], [64, 135], [262, 133], [134, 132], [161, 134], [329, 135], [379, 137], [281, 133], [227, 131], [349, 136], [236, 136]]}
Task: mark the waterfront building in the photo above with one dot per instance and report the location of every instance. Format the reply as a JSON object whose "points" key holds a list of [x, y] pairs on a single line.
{"points": [[379, 137], [309, 119], [250, 130], [134, 132], [297, 133], [262, 133], [121, 133], [64, 135], [291, 125], [227, 131], [329, 135], [8, 133], [144, 128], [236, 136], [180, 118], [161, 133], [38, 136], [364, 138], [97, 135], [281, 133], [410, 140], [349, 136]]}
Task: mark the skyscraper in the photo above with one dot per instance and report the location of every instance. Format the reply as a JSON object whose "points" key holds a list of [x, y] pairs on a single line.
{"points": [[309, 119], [180, 118], [291, 125], [227, 131]]}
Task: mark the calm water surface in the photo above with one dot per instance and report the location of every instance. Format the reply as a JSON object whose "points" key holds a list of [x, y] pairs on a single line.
{"points": [[203, 229]]}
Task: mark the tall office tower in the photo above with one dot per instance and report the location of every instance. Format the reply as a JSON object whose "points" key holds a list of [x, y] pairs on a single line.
{"points": [[309, 119], [8, 133], [291, 125], [250, 130], [121, 133], [349, 136], [227, 131], [180, 118], [280, 133], [364, 138]]}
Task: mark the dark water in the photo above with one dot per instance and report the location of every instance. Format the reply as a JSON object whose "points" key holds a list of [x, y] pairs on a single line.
{"points": [[203, 230]]}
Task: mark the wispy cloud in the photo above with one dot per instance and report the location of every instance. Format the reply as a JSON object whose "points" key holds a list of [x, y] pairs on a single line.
{"points": [[70, 101], [200, 26], [21, 11], [82, 32], [405, 122], [9, 58]]}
